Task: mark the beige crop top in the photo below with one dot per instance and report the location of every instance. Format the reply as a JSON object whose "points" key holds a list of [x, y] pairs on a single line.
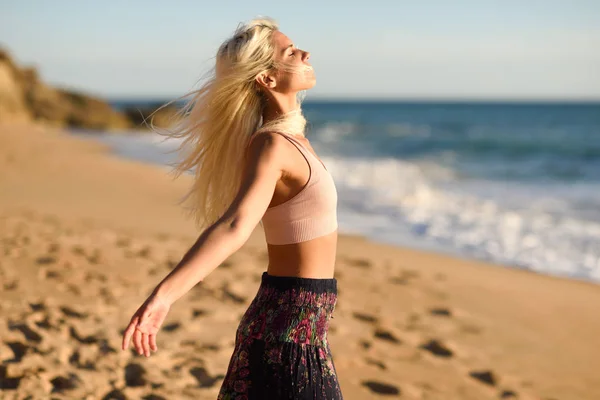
{"points": [[310, 213]]}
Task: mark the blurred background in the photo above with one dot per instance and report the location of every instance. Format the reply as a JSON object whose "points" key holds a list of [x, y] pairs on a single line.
{"points": [[465, 127], [462, 128]]}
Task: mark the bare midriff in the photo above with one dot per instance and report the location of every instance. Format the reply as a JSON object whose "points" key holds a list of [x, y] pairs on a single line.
{"points": [[311, 259]]}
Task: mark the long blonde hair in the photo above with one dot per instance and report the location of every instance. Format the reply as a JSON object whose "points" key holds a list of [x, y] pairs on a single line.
{"points": [[217, 123]]}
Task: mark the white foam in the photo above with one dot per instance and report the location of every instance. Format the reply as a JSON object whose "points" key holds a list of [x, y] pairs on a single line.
{"points": [[549, 229], [399, 202], [332, 132]]}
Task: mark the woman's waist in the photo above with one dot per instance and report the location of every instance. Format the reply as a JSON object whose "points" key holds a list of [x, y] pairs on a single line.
{"points": [[290, 288], [300, 271], [303, 260]]}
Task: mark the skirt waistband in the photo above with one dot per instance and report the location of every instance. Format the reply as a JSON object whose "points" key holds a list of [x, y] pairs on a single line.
{"points": [[316, 285]]}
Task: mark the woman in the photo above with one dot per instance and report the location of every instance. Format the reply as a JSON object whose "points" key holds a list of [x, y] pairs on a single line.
{"points": [[248, 114]]}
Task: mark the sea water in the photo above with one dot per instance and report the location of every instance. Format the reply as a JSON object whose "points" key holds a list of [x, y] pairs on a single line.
{"points": [[513, 183]]}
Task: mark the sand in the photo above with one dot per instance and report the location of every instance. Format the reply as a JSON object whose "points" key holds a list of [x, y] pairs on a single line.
{"points": [[85, 236]]}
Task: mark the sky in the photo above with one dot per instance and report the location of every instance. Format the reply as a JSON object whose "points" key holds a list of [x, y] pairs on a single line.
{"points": [[461, 49]]}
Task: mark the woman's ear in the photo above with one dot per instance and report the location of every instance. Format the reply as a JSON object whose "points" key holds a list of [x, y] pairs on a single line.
{"points": [[265, 80]]}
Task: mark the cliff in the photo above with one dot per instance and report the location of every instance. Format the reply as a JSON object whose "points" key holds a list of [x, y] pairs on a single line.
{"points": [[24, 97]]}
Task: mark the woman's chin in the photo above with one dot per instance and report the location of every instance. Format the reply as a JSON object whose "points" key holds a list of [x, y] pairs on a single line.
{"points": [[311, 83]]}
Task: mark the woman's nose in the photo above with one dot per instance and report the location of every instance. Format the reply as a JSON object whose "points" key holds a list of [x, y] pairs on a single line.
{"points": [[306, 55]]}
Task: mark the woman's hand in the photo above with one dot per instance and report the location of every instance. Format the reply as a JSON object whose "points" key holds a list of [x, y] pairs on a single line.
{"points": [[145, 324]]}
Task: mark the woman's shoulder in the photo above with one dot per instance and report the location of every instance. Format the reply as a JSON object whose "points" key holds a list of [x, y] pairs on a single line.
{"points": [[263, 139], [269, 145]]}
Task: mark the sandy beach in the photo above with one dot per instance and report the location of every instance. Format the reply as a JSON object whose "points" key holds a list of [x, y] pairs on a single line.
{"points": [[86, 235]]}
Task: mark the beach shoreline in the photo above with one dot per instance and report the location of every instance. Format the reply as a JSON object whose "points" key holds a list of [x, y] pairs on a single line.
{"points": [[93, 232], [541, 225]]}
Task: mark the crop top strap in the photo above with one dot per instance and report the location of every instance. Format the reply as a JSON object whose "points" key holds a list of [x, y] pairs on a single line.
{"points": [[294, 141], [300, 148]]}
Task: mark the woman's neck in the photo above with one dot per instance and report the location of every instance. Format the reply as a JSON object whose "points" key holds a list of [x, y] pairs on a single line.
{"points": [[277, 106]]}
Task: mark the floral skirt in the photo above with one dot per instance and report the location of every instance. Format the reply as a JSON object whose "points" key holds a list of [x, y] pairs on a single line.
{"points": [[281, 348]]}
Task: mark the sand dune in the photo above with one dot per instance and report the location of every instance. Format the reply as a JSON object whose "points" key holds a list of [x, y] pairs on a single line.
{"points": [[86, 236]]}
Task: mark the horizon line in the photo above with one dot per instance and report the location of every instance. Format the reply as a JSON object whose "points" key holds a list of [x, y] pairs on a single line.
{"points": [[338, 99]]}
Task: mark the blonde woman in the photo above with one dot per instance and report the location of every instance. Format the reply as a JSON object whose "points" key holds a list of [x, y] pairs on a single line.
{"points": [[244, 136]]}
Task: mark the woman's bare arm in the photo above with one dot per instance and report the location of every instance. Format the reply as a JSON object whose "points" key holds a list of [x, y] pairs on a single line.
{"points": [[264, 166], [262, 171]]}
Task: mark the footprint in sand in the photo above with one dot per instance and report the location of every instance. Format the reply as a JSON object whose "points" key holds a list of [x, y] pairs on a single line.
{"points": [[45, 323], [377, 363], [443, 312], [79, 250], [381, 388], [508, 394], [437, 348], [360, 263], [365, 344], [486, 377], [37, 306], [365, 317], [386, 335], [145, 252], [115, 394], [70, 312], [83, 340], [91, 276], [62, 383], [210, 346], [107, 295], [233, 293], [7, 383], [153, 397], [53, 247], [170, 263], [198, 312], [19, 349], [105, 348], [47, 273], [135, 375], [172, 327], [203, 378], [45, 260], [30, 334], [76, 359], [95, 257]]}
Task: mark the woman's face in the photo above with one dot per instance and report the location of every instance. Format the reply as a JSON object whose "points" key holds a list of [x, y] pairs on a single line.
{"points": [[302, 77]]}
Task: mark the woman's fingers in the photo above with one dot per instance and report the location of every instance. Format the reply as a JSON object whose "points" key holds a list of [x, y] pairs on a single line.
{"points": [[137, 341], [146, 344], [143, 341], [153, 345], [128, 333], [144, 326]]}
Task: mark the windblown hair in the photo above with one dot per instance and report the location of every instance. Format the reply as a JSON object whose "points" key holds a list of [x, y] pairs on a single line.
{"points": [[216, 125]]}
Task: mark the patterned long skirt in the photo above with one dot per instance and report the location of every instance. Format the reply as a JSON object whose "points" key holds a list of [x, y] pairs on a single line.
{"points": [[281, 348]]}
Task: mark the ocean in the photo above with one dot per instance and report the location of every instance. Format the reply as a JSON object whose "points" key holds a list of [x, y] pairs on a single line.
{"points": [[513, 183]]}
